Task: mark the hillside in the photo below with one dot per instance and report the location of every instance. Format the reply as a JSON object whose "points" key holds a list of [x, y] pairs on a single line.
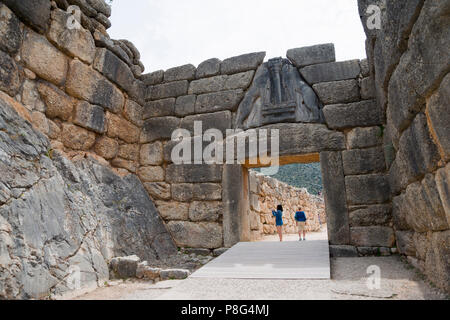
{"points": [[307, 176]]}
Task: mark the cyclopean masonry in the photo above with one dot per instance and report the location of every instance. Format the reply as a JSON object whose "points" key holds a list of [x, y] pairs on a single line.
{"points": [[101, 143]]}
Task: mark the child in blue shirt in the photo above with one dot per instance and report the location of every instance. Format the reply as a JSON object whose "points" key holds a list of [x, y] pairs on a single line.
{"points": [[300, 217], [279, 220]]}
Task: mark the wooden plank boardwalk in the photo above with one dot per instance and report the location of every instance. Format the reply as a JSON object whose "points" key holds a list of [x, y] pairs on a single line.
{"points": [[271, 260]]}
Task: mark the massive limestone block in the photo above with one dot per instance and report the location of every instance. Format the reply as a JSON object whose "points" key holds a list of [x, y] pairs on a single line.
{"points": [[100, 6], [106, 147], [58, 104], [207, 85], [207, 191], [218, 120], [160, 128], [367, 89], [196, 235], [358, 114], [205, 211], [168, 90], [242, 63], [43, 58], [77, 42], [278, 94], [118, 127], [208, 68], [40, 122], [405, 243], [31, 97], [419, 71], [173, 210], [438, 111], [193, 173], [186, 72], [425, 207], [158, 190], [182, 192], [129, 151], [372, 236], [114, 69], [151, 154], [219, 101], [153, 78], [198, 191], [34, 12], [344, 91], [87, 84], [10, 33], [91, 117], [400, 213], [363, 161], [239, 80], [385, 46], [417, 153], [151, 174], [305, 56], [133, 112], [77, 138], [367, 189], [437, 264], [333, 71], [443, 186], [159, 108], [364, 137], [185, 105], [370, 215], [343, 251], [9, 75], [334, 195], [300, 138]]}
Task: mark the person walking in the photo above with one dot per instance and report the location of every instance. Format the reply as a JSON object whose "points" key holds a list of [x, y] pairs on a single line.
{"points": [[279, 220], [300, 217]]}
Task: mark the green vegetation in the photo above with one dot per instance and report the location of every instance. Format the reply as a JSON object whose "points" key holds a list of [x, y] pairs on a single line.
{"points": [[307, 176]]}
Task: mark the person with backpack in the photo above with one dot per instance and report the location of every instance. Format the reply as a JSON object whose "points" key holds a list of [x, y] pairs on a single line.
{"points": [[279, 220], [300, 217]]}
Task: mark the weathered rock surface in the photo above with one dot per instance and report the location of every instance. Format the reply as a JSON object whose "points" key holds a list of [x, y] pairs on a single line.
{"points": [[10, 33], [34, 12], [196, 235], [78, 226], [305, 56], [333, 71], [43, 58], [242, 63]]}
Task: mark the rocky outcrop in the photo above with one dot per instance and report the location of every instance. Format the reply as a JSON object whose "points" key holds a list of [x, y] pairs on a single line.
{"points": [[62, 220]]}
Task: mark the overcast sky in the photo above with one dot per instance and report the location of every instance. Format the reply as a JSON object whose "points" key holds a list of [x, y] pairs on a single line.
{"points": [[170, 33]]}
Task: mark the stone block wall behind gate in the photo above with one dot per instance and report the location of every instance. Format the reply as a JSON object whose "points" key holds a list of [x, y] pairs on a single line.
{"points": [[87, 93]]}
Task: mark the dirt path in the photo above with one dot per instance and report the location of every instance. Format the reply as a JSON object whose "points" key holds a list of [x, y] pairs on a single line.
{"points": [[398, 281]]}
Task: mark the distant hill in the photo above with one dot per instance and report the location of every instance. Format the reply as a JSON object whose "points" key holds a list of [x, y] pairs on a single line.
{"points": [[307, 176]]}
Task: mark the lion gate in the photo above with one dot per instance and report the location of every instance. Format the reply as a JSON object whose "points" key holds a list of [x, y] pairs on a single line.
{"points": [[324, 110]]}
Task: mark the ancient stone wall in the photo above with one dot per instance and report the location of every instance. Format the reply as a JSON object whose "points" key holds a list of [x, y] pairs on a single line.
{"points": [[266, 193], [87, 94], [409, 58]]}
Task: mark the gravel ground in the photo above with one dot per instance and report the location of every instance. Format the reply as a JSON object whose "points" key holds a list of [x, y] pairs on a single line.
{"points": [[398, 281]]}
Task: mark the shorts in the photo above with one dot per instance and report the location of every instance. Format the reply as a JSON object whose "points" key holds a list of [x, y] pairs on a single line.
{"points": [[301, 225]]}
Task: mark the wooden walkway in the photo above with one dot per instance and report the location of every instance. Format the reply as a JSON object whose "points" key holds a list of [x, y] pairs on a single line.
{"points": [[271, 260]]}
